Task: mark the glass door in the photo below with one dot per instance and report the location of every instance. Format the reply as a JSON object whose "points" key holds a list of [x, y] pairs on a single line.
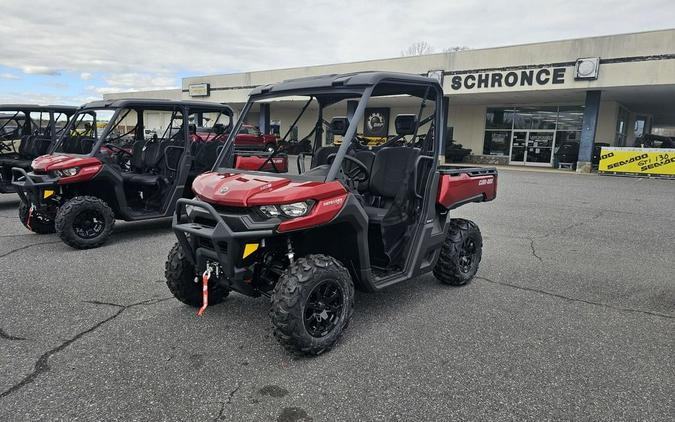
{"points": [[532, 147], [518, 146], [539, 148]]}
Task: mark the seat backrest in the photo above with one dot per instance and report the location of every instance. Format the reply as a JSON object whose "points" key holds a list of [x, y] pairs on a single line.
{"points": [[405, 124], [26, 146], [206, 156], [137, 155], [85, 145], [321, 155], [391, 167], [339, 126], [152, 153], [41, 146]]}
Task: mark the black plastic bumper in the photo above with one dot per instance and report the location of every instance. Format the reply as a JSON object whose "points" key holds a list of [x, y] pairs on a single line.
{"points": [[214, 242], [30, 186]]}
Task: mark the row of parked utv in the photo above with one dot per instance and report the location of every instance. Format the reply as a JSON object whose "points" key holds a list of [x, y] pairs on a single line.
{"points": [[303, 230]]}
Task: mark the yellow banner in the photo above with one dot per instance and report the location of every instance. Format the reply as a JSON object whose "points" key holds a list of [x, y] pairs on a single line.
{"points": [[637, 160]]}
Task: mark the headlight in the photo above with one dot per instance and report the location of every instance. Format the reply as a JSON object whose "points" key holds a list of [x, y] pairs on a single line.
{"points": [[296, 209], [67, 172], [270, 210]]}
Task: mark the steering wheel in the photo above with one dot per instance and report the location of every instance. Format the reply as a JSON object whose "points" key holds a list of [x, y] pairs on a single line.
{"points": [[352, 172]]}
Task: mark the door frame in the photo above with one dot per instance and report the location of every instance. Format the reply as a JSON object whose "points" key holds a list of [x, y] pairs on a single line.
{"points": [[527, 139]]}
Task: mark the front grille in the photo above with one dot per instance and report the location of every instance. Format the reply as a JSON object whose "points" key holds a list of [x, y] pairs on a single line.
{"points": [[206, 243], [222, 209], [205, 221]]}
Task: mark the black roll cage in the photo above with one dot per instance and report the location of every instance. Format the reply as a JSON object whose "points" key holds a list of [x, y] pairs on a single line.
{"points": [[29, 122], [175, 107], [225, 160]]}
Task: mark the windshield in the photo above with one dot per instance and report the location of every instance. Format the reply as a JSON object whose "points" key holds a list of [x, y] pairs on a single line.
{"points": [[307, 131], [84, 131]]}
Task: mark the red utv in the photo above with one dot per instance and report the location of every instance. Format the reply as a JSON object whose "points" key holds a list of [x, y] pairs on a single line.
{"points": [[249, 138], [104, 168], [26, 132], [347, 217]]}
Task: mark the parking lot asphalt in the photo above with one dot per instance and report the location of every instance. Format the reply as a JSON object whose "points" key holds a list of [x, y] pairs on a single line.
{"points": [[571, 317]]}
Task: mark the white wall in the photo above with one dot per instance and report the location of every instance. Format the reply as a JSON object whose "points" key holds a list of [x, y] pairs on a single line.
{"points": [[606, 130], [468, 122]]}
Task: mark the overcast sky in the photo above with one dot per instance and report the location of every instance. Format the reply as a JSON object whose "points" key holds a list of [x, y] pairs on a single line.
{"points": [[73, 51]]}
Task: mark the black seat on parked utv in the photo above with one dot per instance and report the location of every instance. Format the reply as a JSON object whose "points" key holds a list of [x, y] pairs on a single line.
{"points": [[26, 153], [338, 126], [390, 176], [391, 172]]}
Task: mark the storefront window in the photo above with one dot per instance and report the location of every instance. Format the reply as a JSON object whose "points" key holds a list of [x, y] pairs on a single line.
{"points": [[499, 118], [497, 142], [502, 123], [621, 127], [535, 118]]}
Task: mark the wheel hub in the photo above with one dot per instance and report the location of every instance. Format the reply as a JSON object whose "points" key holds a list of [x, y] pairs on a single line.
{"points": [[466, 256], [88, 224], [324, 308]]}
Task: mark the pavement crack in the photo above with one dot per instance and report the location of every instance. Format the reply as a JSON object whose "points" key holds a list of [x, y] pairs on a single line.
{"points": [[573, 299], [223, 404], [98, 302], [4, 335], [232, 393], [534, 251], [26, 247], [42, 364]]}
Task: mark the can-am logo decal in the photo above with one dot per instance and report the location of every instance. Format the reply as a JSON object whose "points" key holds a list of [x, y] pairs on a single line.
{"points": [[224, 189], [485, 182]]}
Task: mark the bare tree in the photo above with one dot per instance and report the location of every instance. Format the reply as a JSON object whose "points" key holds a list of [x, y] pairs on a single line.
{"points": [[456, 48], [417, 49]]}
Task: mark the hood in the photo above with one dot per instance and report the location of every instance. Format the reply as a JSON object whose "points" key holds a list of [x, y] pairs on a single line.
{"points": [[242, 190], [47, 163]]}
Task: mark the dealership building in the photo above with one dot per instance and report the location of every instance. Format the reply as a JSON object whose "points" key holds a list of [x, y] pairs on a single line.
{"points": [[512, 105]]}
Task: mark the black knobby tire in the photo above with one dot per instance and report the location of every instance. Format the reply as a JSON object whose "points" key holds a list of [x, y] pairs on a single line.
{"points": [[297, 324], [460, 254], [180, 279], [84, 222], [39, 223]]}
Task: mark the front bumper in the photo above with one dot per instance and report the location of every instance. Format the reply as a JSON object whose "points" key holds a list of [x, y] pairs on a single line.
{"points": [[209, 235], [31, 187]]}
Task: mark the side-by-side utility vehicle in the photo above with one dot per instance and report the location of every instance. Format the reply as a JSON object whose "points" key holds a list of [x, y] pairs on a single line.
{"points": [[123, 159], [26, 132], [347, 217]]}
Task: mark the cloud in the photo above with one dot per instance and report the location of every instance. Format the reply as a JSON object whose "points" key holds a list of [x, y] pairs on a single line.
{"points": [[124, 82], [27, 97], [9, 76], [136, 45], [39, 70]]}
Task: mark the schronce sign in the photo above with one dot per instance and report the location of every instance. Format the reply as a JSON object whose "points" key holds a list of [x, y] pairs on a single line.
{"points": [[509, 79]]}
